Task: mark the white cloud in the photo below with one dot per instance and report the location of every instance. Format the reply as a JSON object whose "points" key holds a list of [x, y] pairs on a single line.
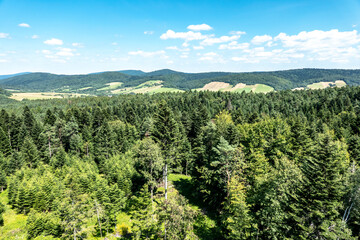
{"points": [[222, 39], [4, 35], [354, 25], [188, 36], [25, 25], [147, 54], [149, 32], [319, 39], [261, 39], [75, 44], [198, 47], [114, 43], [322, 45], [234, 45], [237, 33], [211, 56], [3, 61], [35, 36], [172, 48], [59, 60], [54, 41], [65, 52], [47, 52], [200, 27]]}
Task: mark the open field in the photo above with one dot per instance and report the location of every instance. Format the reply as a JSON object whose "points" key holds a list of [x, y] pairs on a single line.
{"points": [[322, 85], [215, 86], [154, 86], [43, 95], [111, 86], [240, 87]]}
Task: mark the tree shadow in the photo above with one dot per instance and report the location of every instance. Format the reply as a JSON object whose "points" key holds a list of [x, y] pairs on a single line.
{"points": [[204, 226]]}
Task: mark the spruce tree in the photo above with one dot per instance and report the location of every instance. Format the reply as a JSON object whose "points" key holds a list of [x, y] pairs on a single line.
{"points": [[322, 186], [30, 153], [5, 145], [166, 134]]}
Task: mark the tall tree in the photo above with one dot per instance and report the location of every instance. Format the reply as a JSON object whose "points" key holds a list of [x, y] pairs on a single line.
{"points": [[166, 133], [322, 186]]}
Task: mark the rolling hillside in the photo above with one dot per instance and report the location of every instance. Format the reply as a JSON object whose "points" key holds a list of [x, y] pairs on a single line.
{"points": [[123, 81]]}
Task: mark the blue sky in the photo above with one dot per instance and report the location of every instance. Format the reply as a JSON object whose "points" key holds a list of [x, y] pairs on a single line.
{"points": [[81, 36]]}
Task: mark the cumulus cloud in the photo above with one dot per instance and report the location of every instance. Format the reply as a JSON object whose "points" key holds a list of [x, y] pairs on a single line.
{"points": [[25, 25], [210, 56], [4, 35], [237, 33], [147, 54], [47, 52], [172, 48], [234, 45], [76, 44], [198, 47], [200, 27], [222, 39], [65, 52], [323, 45], [54, 42], [188, 36], [261, 39]]}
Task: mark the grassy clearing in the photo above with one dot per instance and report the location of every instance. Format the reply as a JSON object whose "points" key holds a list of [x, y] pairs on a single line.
{"points": [[150, 83], [205, 225], [14, 224], [43, 95], [322, 85], [262, 88], [111, 86]]}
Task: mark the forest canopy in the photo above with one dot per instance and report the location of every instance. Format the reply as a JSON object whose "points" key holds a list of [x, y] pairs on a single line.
{"points": [[192, 165]]}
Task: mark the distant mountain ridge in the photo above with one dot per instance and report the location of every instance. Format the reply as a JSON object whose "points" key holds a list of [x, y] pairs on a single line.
{"points": [[91, 83], [12, 75]]}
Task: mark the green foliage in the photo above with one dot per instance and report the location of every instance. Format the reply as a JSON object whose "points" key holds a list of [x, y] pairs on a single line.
{"points": [[276, 166]]}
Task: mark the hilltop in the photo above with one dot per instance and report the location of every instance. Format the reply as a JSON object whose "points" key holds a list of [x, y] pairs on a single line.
{"points": [[136, 81]]}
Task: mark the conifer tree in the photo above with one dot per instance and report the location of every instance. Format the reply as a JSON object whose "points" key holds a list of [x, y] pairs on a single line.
{"points": [[166, 134], [30, 153], [322, 186], [5, 144]]}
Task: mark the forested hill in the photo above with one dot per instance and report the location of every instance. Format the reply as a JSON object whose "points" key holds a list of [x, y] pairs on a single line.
{"points": [[279, 80]]}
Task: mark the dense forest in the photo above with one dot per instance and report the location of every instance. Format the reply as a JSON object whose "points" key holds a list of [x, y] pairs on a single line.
{"points": [[193, 165], [279, 80]]}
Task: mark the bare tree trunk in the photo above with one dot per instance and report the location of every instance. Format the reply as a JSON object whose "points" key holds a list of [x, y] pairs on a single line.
{"points": [[165, 180], [9, 138], [49, 147]]}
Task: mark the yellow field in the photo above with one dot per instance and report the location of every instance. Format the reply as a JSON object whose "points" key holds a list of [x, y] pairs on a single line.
{"points": [[216, 86], [43, 95]]}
